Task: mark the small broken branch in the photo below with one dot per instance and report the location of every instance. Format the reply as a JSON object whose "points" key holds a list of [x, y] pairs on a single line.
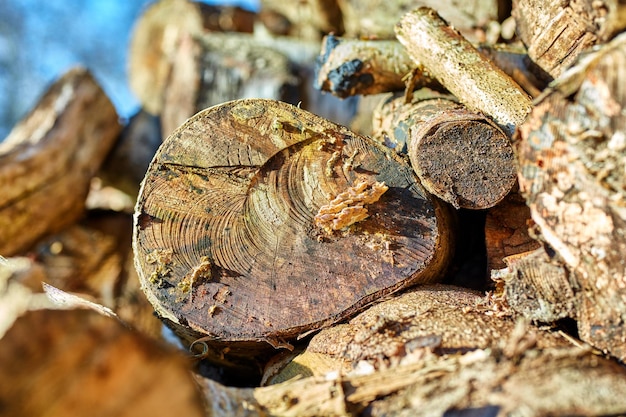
{"points": [[475, 80]]}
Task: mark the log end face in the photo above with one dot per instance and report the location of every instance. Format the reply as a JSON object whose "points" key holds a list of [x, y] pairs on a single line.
{"points": [[468, 163]]}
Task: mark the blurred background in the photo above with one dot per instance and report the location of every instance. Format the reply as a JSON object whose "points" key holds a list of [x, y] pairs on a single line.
{"points": [[41, 39]]}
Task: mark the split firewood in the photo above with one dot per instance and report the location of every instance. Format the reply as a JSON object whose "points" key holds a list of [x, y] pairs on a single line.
{"points": [[439, 319], [506, 230], [348, 67], [154, 42], [557, 32], [571, 154], [460, 156], [259, 222], [464, 71], [307, 19], [79, 362], [49, 159], [223, 18], [375, 18]]}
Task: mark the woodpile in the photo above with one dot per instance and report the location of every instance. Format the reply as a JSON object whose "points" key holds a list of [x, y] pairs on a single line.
{"points": [[330, 208]]}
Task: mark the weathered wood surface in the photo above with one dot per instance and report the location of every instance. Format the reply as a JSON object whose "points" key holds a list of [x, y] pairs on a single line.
{"points": [[153, 48], [572, 164], [439, 319], [506, 230], [460, 156], [375, 18], [49, 159], [556, 32], [62, 363], [538, 286], [258, 222], [458, 66], [402, 366], [307, 19]]}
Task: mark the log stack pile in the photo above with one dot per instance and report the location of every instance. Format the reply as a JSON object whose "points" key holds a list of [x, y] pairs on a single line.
{"points": [[335, 207]]}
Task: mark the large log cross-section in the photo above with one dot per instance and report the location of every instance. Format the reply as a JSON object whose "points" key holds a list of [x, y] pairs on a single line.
{"points": [[258, 221]]}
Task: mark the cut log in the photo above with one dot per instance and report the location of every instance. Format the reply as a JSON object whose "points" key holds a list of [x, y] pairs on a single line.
{"points": [[572, 174], [154, 42], [49, 159], [556, 32], [78, 362], [375, 18], [459, 67], [258, 222], [460, 156]]}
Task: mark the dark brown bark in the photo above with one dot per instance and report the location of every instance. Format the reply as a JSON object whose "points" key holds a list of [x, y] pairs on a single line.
{"points": [[460, 156], [48, 160], [258, 222], [572, 165]]}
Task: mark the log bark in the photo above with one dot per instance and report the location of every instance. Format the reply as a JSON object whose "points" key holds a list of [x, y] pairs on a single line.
{"points": [[468, 17], [460, 156], [572, 164], [557, 32], [258, 222], [459, 67], [49, 159]]}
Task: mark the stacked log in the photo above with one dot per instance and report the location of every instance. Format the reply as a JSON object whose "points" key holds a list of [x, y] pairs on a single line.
{"points": [[305, 267]]}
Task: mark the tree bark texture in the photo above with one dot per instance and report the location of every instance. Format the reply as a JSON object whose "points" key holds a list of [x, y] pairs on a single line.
{"points": [[460, 156], [258, 222], [459, 67], [556, 32], [572, 164], [49, 159]]}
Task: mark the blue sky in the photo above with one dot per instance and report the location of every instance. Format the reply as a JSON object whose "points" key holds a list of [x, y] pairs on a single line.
{"points": [[41, 39]]}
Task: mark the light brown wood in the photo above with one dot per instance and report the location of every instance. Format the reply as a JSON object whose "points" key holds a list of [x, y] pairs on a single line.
{"points": [[49, 159], [307, 19], [557, 32], [78, 362], [153, 47], [375, 18], [571, 165], [459, 67], [259, 221], [460, 156]]}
